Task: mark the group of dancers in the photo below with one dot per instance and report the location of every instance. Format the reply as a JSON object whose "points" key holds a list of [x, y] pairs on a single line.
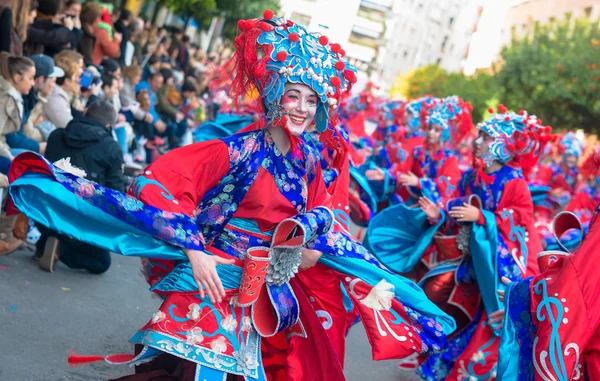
{"points": [[462, 267]]}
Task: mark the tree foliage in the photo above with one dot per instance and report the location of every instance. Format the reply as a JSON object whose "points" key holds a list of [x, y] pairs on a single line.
{"points": [[196, 9], [433, 80], [555, 74], [235, 10]]}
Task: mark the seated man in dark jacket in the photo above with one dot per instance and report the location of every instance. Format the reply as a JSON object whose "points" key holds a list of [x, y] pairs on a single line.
{"points": [[89, 143]]}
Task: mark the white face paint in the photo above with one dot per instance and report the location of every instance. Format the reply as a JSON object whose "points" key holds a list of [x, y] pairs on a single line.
{"points": [[570, 161], [433, 134], [300, 104], [481, 145]]}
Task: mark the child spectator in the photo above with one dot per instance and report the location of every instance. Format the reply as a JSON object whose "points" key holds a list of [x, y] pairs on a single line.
{"points": [[18, 75]]}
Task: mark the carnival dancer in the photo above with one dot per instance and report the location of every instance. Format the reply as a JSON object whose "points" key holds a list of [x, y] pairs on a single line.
{"points": [[551, 329], [486, 234], [431, 169], [583, 205], [562, 177], [553, 185], [241, 216]]}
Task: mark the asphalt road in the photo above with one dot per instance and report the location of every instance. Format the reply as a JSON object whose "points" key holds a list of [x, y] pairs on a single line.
{"points": [[43, 315]]}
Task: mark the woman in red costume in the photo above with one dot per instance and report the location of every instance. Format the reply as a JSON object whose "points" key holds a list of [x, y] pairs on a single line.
{"points": [[246, 227], [485, 234], [430, 168], [552, 324]]}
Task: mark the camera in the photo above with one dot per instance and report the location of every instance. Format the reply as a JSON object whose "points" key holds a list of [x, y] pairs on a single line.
{"points": [[89, 78]]}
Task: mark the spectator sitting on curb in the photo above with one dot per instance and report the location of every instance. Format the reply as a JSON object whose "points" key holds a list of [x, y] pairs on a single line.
{"points": [[89, 143]]}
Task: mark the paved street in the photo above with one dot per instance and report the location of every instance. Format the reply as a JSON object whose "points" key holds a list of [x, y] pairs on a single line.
{"points": [[43, 315]]}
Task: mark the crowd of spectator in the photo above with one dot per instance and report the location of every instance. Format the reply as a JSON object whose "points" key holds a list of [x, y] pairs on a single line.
{"points": [[63, 64]]}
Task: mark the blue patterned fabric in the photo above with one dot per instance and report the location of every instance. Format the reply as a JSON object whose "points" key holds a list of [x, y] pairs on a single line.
{"points": [[437, 367], [316, 223], [515, 353], [329, 174], [490, 194], [341, 245], [430, 166], [247, 153]]}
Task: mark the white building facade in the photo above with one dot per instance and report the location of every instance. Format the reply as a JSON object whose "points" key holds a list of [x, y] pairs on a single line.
{"points": [[424, 32], [359, 26]]}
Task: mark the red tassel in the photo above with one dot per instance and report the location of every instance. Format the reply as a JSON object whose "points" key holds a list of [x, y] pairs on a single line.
{"points": [[481, 175], [294, 140], [74, 359]]}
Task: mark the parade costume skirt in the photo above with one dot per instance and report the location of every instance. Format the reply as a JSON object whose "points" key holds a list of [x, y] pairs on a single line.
{"points": [[281, 334]]}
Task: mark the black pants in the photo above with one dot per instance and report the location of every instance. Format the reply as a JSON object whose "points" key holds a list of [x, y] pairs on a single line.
{"points": [[76, 254]]}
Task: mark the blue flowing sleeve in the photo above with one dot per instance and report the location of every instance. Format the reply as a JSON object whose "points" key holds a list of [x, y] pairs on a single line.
{"points": [[399, 235], [518, 334], [484, 254]]}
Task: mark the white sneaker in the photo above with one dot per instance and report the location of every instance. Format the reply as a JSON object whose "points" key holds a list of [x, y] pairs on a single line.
{"points": [[33, 235]]}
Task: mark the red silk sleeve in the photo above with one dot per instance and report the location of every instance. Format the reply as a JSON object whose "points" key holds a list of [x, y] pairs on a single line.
{"points": [[565, 306], [544, 175], [177, 181], [516, 200]]}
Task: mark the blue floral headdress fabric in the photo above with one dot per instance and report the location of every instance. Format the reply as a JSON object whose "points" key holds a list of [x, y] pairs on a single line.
{"points": [[514, 135], [271, 52], [572, 145]]}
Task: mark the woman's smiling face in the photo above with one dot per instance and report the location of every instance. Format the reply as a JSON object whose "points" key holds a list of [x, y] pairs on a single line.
{"points": [[300, 104]]}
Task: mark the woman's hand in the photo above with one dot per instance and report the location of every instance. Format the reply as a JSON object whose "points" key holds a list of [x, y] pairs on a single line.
{"points": [[376, 174], [204, 269], [497, 318], [506, 281], [309, 258], [465, 213], [430, 209], [409, 180]]}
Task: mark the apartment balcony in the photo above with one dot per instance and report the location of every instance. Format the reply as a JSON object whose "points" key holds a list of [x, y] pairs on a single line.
{"points": [[378, 5], [368, 27], [360, 52]]}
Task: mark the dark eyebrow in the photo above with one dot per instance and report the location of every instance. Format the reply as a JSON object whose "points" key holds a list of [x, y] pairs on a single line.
{"points": [[296, 90]]}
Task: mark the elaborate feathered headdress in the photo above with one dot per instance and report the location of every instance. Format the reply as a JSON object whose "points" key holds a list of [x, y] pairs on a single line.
{"points": [[517, 137], [452, 114], [570, 144], [273, 51]]}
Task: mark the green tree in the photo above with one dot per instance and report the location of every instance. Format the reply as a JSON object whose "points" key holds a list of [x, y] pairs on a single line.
{"points": [[555, 74], [478, 89], [188, 9], [235, 10]]}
